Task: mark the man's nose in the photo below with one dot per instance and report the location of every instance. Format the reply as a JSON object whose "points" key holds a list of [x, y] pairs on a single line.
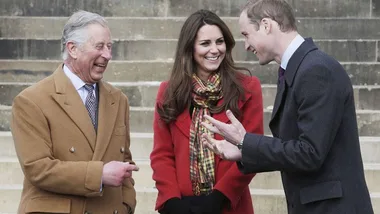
{"points": [[107, 54]]}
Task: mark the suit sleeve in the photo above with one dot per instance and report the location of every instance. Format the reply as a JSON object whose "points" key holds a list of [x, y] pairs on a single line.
{"points": [[233, 183], [320, 106], [129, 192], [32, 140], [162, 158]]}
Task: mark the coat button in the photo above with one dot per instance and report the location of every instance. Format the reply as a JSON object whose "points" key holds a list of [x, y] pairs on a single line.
{"points": [[122, 149], [115, 212], [72, 149]]}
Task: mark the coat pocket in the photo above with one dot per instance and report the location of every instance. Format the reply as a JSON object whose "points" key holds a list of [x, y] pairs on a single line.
{"points": [[321, 191], [48, 205]]}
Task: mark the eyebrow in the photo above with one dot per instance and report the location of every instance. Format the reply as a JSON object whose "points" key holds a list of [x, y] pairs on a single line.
{"points": [[210, 39], [104, 43]]}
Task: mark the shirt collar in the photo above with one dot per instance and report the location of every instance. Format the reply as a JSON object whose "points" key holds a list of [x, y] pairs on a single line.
{"points": [[293, 46], [77, 82]]}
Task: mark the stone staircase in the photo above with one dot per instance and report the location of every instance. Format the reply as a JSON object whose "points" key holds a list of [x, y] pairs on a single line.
{"points": [[145, 33]]}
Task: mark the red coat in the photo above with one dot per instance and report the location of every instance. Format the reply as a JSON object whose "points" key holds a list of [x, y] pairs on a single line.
{"points": [[170, 156]]}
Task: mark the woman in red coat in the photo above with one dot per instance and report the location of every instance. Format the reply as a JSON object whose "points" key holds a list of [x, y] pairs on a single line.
{"points": [[204, 80]]}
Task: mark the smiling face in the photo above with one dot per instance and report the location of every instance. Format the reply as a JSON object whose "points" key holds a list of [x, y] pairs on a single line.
{"points": [[257, 39], [91, 58], [209, 50]]}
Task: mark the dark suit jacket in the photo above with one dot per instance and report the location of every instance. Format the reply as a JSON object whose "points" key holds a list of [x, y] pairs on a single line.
{"points": [[316, 142]]}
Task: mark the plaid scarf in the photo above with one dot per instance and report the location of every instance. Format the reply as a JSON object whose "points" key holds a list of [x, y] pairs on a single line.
{"points": [[202, 172]]}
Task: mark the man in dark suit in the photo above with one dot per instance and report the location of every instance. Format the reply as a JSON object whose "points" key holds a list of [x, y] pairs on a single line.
{"points": [[315, 141]]}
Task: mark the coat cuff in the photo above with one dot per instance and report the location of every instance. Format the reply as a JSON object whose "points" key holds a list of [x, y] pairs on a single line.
{"points": [[93, 180]]}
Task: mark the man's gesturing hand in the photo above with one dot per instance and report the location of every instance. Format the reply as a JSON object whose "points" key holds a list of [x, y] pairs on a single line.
{"points": [[115, 172], [233, 133], [224, 149]]}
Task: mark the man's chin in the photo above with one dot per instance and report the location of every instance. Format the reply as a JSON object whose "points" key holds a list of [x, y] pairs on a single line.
{"points": [[264, 62], [98, 77]]}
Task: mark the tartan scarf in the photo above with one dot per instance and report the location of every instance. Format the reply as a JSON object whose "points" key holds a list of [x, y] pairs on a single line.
{"points": [[202, 172]]}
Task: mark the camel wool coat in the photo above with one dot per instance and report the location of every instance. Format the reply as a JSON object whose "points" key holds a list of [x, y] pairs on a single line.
{"points": [[62, 156]]}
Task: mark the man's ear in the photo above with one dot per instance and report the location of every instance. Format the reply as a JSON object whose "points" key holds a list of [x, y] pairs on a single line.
{"points": [[266, 23], [72, 49]]}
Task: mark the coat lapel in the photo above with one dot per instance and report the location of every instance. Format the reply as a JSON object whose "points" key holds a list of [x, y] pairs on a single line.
{"points": [[68, 98], [290, 73], [183, 122], [278, 100], [107, 111]]}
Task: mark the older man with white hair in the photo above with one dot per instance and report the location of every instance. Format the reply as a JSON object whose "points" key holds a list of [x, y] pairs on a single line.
{"points": [[71, 130]]}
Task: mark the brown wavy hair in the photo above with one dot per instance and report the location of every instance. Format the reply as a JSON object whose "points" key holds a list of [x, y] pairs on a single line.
{"points": [[177, 96]]}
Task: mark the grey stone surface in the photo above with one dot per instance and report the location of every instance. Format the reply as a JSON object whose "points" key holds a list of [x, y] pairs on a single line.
{"points": [[375, 8], [132, 71], [141, 120], [264, 201], [327, 28], [328, 8], [368, 98], [5, 115], [12, 174], [321, 8], [30, 49], [142, 144], [169, 28], [344, 51], [65, 8], [368, 123], [378, 51], [144, 95]]}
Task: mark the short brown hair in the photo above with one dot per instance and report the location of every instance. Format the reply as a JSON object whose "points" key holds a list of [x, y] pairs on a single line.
{"points": [[277, 10]]}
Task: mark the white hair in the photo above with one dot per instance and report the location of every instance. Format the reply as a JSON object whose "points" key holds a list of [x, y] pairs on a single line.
{"points": [[75, 28]]}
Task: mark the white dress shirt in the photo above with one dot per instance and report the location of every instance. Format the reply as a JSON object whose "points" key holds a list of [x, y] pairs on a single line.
{"points": [[293, 46], [78, 84]]}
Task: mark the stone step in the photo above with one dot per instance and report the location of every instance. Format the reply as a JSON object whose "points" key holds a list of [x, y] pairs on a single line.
{"points": [[132, 71], [320, 8], [169, 27], [141, 120], [142, 144], [12, 174], [143, 94], [164, 49], [264, 201]]}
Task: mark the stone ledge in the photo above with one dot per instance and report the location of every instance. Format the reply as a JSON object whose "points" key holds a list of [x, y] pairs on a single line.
{"points": [[164, 49], [320, 8], [138, 28], [361, 73]]}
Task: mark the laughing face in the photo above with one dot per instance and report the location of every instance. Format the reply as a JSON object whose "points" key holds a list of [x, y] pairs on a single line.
{"points": [[92, 57], [256, 39], [209, 50]]}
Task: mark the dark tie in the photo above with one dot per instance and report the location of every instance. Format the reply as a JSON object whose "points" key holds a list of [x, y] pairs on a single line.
{"points": [[281, 76], [91, 103]]}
